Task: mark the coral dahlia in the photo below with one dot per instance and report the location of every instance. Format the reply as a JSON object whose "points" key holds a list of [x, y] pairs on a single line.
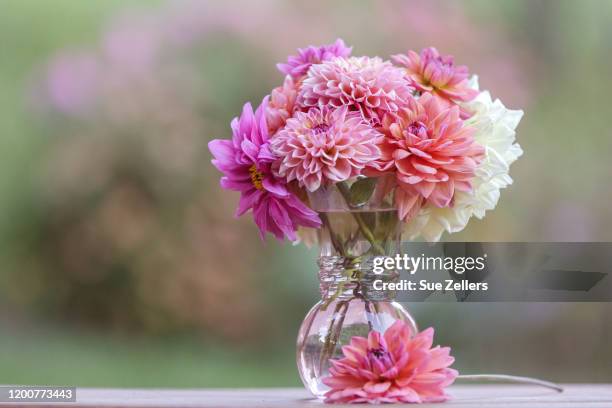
{"points": [[324, 145], [246, 162], [432, 72], [367, 85], [432, 153], [496, 131], [392, 367]]}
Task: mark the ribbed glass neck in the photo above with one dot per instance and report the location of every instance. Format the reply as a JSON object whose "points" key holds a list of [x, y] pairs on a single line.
{"points": [[346, 278]]}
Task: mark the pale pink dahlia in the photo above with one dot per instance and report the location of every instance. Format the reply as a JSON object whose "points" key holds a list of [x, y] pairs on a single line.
{"points": [[432, 72], [324, 145], [298, 65], [281, 105], [367, 85], [432, 153], [391, 368]]}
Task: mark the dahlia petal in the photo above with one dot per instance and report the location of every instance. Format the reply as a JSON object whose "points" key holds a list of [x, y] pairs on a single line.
{"points": [[275, 187], [435, 398], [375, 340], [419, 152], [379, 367], [395, 334], [236, 185], [400, 154], [248, 200], [440, 358], [265, 154], [246, 122], [342, 170], [442, 194], [250, 149], [261, 219], [424, 188], [302, 213], [352, 353], [346, 367], [376, 388], [280, 217], [404, 394], [390, 373], [311, 181], [465, 186], [345, 395], [428, 378], [222, 150], [424, 168], [368, 374], [424, 339], [359, 343], [407, 204], [412, 180], [404, 166], [339, 382], [404, 378]]}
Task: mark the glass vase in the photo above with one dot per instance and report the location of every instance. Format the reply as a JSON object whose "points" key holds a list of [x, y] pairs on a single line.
{"points": [[360, 223]]}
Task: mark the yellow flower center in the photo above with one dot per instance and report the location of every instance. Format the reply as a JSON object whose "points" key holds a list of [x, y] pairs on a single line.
{"points": [[256, 177]]}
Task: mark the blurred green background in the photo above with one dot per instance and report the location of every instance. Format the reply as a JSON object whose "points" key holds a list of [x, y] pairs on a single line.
{"points": [[120, 261]]}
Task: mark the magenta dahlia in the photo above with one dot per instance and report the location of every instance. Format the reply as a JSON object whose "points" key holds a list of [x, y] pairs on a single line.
{"points": [[431, 152], [246, 162], [324, 145], [393, 367], [370, 86], [298, 65], [432, 72]]}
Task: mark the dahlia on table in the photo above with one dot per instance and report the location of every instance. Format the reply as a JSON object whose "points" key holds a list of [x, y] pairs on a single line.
{"points": [[419, 118], [391, 367]]}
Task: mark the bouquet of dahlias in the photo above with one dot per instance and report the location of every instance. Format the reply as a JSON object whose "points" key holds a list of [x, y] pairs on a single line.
{"points": [[418, 119], [368, 148]]}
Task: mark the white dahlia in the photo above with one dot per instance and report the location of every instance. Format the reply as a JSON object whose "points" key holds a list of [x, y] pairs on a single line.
{"points": [[495, 131]]}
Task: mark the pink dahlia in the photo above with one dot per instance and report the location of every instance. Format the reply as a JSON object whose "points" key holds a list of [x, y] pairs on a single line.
{"points": [[432, 72], [367, 85], [431, 152], [246, 162], [324, 145], [281, 105], [391, 368], [298, 65]]}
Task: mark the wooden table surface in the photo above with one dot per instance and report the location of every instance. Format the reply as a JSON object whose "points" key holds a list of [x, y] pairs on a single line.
{"points": [[466, 396]]}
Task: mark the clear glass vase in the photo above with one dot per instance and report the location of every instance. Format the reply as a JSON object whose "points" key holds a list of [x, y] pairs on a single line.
{"points": [[360, 223]]}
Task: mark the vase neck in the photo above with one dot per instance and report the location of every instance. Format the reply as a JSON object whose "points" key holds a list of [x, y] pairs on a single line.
{"points": [[346, 278]]}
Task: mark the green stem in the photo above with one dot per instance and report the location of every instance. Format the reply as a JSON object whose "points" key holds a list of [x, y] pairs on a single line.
{"points": [[510, 379], [333, 333], [338, 246], [363, 227]]}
